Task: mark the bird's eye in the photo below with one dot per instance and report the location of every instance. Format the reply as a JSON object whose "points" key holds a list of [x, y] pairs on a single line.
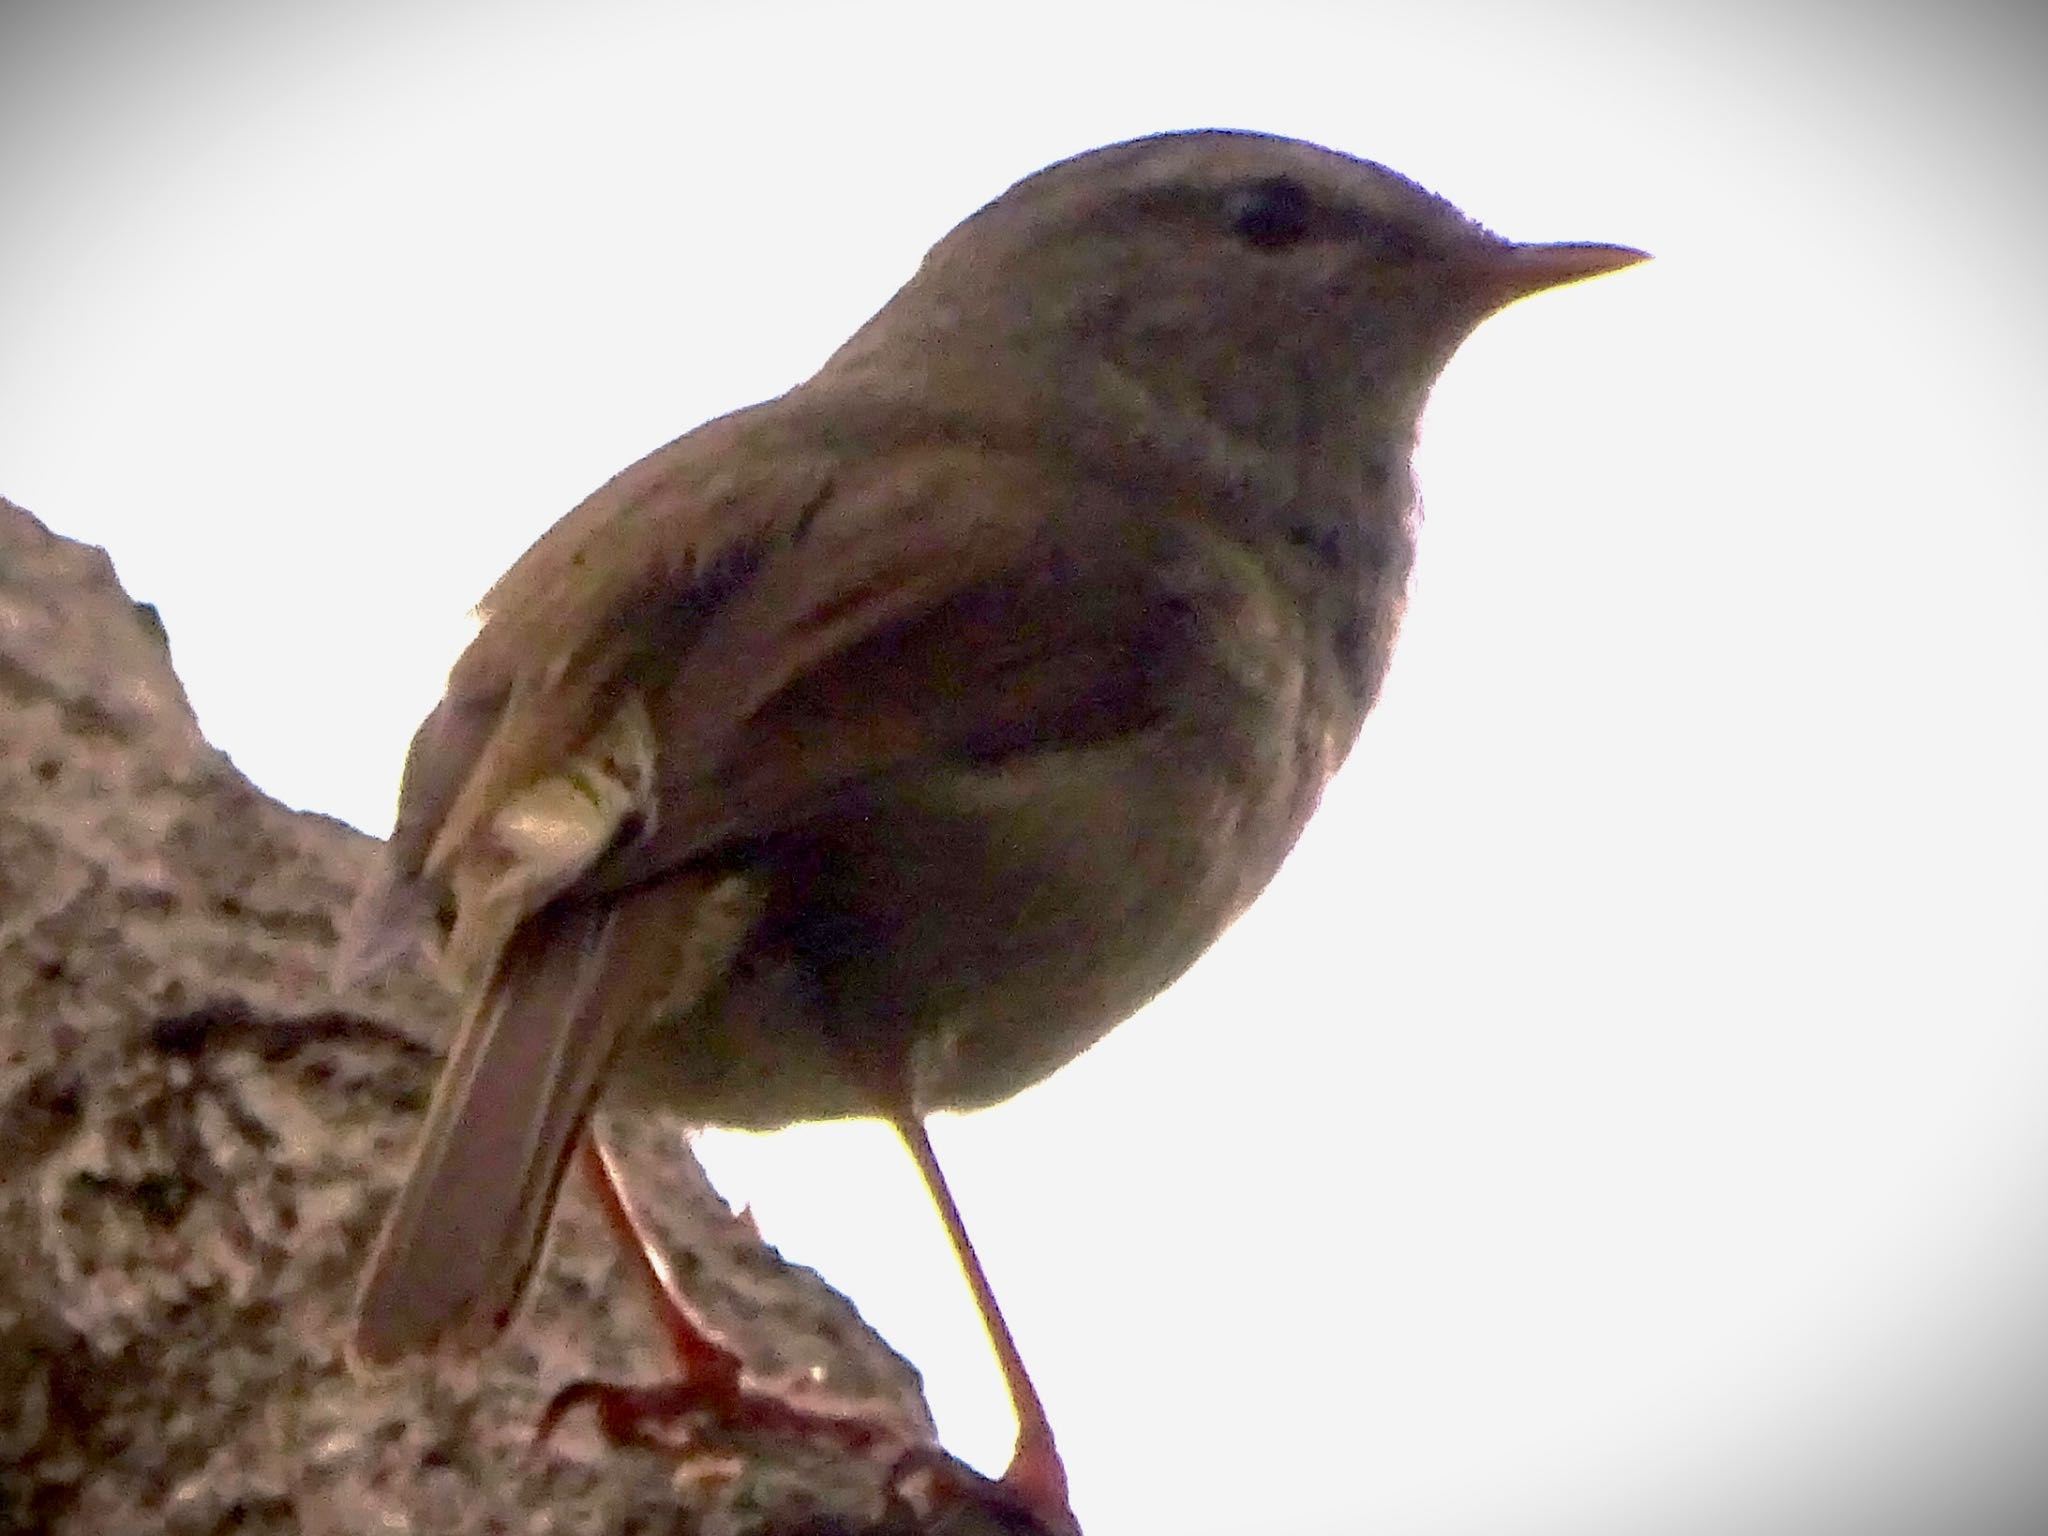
{"points": [[1272, 214]]}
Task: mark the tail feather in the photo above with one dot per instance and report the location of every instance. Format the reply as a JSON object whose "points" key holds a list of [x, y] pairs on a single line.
{"points": [[462, 1242]]}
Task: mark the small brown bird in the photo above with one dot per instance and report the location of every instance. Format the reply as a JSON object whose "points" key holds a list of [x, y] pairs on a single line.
{"points": [[876, 749]]}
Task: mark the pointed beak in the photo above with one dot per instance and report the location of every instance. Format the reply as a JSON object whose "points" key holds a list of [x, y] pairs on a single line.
{"points": [[1510, 272]]}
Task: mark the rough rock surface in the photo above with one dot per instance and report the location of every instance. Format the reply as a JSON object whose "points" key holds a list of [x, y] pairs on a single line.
{"points": [[198, 1136]]}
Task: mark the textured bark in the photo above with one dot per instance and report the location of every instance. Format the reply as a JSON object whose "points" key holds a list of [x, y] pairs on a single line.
{"points": [[198, 1136]]}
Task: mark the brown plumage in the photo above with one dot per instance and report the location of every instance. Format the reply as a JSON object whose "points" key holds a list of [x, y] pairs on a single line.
{"points": [[876, 749]]}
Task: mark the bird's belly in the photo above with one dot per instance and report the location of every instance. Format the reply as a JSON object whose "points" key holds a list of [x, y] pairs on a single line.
{"points": [[962, 937]]}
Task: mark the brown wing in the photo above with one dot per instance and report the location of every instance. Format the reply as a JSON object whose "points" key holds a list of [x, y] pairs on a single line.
{"points": [[1078, 621], [625, 578], [793, 617], [632, 571], [698, 585]]}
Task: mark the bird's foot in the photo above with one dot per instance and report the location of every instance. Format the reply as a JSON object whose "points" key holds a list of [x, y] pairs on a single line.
{"points": [[1030, 1499], [679, 1415]]}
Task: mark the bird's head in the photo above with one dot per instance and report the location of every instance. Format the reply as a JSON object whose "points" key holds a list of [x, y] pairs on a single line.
{"points": [[1270, 290]]}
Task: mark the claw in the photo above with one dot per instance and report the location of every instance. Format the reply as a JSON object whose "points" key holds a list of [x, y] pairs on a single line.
{"points": [[1017, 1509], [712, 1409]]}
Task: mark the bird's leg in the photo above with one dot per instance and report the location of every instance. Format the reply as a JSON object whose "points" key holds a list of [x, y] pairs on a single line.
{"points": [[699, 1356], [710, 1388], [1036, 1477]]}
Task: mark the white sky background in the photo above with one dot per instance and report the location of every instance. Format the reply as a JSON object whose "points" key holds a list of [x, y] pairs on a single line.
{"points": [[1629, 1110]]}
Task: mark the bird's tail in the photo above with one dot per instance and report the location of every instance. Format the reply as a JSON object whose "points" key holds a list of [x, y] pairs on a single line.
{"points": [[463, 1240]]}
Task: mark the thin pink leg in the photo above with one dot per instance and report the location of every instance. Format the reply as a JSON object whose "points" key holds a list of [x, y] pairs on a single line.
{"points": [[1037, 1478]]}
